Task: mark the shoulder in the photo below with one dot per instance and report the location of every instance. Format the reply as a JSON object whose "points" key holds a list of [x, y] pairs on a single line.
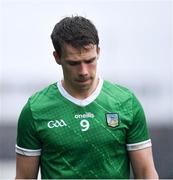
{"points": [[44, 94], [44, 99], [117, 90], [121, 94]]}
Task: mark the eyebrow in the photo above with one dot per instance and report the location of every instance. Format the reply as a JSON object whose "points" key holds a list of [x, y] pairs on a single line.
{"points": [[85, 60]]}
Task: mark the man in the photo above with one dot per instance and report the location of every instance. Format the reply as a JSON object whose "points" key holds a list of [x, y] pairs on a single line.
{"points": [[82, 127]]}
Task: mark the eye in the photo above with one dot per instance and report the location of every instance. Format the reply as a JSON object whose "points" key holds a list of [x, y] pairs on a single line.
{"points": [[90, 61], [73, 63]]}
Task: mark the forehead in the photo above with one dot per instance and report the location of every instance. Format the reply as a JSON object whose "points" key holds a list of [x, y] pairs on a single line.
{"points": [[75, 53]]}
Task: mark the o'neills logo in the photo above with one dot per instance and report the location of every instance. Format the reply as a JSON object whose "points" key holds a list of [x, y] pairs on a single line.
{"points": [[86, 115]]}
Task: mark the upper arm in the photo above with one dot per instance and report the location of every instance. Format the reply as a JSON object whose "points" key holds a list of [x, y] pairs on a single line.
{"points": [[142, 164], [28, 146], [27, 167], [139, 144]]}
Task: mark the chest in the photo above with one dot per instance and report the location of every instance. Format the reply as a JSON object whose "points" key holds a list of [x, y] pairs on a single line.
{"points": [[72, 128]]}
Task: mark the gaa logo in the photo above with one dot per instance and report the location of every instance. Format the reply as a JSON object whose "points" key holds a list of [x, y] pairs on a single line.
{"points": [[56, 123]]}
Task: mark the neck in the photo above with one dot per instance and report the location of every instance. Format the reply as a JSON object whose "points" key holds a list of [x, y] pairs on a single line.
{"points": [[81, 93]]}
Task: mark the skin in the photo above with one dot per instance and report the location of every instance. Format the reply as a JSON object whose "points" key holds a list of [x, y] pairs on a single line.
{"points": [[79, 70], [80, 80], [142, 164], [27, 167]]}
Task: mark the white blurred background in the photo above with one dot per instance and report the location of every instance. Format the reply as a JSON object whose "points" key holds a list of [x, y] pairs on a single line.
{"points": [[136, 40]]}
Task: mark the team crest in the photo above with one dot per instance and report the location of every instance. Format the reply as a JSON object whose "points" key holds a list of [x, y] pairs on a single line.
{"points": [[112, 119]]}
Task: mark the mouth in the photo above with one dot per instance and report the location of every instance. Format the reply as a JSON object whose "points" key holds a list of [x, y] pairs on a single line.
{"points": [[83, 80]]}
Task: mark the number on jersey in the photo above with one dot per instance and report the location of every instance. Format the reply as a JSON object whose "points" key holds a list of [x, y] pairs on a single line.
{"points": [[84, 125]]}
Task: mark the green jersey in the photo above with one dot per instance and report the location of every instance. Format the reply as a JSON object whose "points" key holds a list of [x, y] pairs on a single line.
{"points": [[82, 139]]}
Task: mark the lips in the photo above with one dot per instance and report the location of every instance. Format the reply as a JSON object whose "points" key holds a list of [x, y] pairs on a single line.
{"points": [[83, 80]]}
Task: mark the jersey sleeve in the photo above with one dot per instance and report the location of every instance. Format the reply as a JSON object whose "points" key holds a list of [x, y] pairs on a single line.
{"points": [[28, 143], [138, 135]]}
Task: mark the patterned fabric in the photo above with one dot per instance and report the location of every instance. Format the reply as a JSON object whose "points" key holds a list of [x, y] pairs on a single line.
{"points": [[82, 139]]}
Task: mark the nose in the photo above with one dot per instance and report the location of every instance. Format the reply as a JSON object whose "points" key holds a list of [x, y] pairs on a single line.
{"points": [[83, 69]]}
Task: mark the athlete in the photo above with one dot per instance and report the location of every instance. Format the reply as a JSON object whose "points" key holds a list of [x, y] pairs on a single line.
{"points": [[82, 127]]}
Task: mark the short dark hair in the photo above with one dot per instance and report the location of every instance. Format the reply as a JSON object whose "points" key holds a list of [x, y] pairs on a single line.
{"points": [[76, 31]]}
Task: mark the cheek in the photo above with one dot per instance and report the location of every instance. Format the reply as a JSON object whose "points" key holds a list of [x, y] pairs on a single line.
{"points": [[92, 67], [68, 71]]}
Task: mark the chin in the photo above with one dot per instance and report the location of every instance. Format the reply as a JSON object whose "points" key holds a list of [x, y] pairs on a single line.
{"points": [[85, 86]]}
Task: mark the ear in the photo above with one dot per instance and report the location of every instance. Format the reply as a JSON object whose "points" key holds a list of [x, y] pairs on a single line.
{"points": [[98, 51], [57, 57]]}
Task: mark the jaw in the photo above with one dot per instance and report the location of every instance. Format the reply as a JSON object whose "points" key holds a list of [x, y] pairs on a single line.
{"points": [[81, 90]]}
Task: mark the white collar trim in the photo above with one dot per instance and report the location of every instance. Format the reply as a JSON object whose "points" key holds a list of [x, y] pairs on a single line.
{"points": [[80, 102]]}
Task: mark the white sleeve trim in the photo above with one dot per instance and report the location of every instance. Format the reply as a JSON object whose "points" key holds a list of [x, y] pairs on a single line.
{"points": [[140, 145], [27, 152]]}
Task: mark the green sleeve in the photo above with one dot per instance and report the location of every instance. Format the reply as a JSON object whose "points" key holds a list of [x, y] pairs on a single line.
{"points": [[28, 142], [138, 131]]}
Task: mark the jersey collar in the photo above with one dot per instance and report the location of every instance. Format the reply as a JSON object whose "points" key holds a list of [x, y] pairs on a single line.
{"points": [[79, 102]]}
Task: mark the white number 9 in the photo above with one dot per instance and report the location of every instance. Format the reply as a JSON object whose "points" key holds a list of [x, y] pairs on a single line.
{"points": [[85, 125]]}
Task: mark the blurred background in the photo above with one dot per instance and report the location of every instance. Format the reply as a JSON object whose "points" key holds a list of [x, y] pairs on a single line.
{"points": [[136, 40]]}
